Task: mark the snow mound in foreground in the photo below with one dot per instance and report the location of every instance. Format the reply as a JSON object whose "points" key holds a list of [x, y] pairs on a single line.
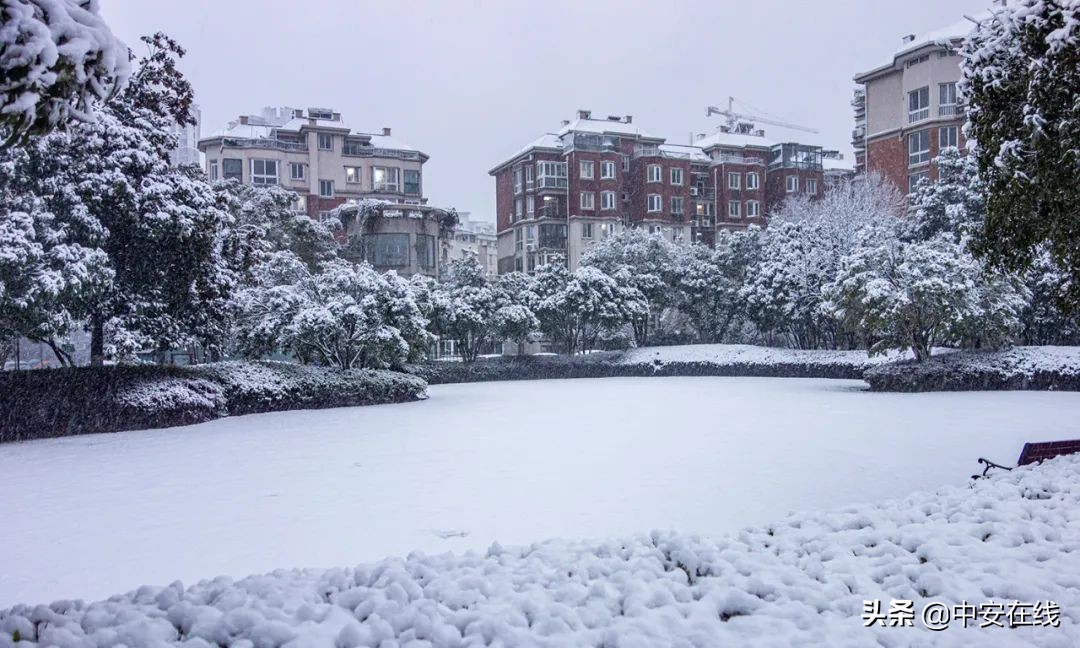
{"points": [[801, 582]]}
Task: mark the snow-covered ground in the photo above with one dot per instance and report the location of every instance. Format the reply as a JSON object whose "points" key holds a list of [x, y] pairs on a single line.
{"points": [[514, 462], [755, 355], [1004, 552]]}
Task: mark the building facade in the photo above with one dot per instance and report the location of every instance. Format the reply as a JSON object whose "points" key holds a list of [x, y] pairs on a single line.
{"points": [[372, 182], [906, 110], [472, 238], [187, 141], [596, 176]]}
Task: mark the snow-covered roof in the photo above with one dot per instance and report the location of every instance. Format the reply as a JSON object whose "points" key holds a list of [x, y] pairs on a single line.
{"points": [[387, 142], [949, 35], [603, 126], [684, 151], [266, 131], [735, 140]]}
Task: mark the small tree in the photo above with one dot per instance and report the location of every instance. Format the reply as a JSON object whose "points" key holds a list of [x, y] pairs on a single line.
{"points": [[56, 59], [954, 205], [574, 308], [916, 295], [344, 316], [1021, 84], [710, 280]]}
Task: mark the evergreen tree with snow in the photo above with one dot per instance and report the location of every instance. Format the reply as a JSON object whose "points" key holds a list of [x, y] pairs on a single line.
{"points": [[575, 308], [709, 282], [1021, 85], [954, 205], [916, 295], [648, 260], [57, 58]]}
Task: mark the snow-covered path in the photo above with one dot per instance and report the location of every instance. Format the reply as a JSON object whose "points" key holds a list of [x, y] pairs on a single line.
{"points": [[515, 462]]}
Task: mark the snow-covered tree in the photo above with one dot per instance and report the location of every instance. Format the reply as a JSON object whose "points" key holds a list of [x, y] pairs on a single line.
{"points": [[105, 187], [346, 315], [710, 281], [955, 204], [57, 57], [919, 294], [1047, 318], [648, 260], [1021, 86], [575, 308], [474, 310], [801, 253]]}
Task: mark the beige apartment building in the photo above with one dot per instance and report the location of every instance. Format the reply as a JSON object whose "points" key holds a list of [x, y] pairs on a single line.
{"points": [[907, 109], [330, 165]]}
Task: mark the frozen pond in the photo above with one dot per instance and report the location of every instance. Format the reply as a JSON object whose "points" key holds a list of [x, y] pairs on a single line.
{"points": [[515, 462]]}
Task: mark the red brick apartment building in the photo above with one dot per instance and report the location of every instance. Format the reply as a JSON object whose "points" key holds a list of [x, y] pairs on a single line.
{"points": [[907, 110], [596, 176]]}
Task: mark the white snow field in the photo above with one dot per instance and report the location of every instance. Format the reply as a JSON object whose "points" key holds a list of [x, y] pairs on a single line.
{"points": [[1004, 551], [514, 462]]}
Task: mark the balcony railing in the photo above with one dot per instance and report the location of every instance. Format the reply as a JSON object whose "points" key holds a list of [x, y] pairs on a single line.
{"points": [[371, 151], [278, 145], [551, 182], [738, 159], [551, 212], [948, 110], [918, 115]]}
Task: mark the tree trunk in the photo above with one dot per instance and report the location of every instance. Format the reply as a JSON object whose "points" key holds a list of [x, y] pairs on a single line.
{"points": [[97, 341], [61, 355]]}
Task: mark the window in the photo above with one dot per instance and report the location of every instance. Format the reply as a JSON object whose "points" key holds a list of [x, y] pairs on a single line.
{"points": [[753, 181], [425, 250], [354, 175], [606, 230], [213, 170], [947, 137], [654, 173], [586, 229], [386, 250], [530, 205], [585, 170], [297, 170], [517, 207], [517, 181], [676, 177], [915, 61], [326, 142], [412, 182], [733, 208], [919, 148], [677, 205], [588, 200], [551, 175], [528, 177], [354, 148], [607, 200], [626, 164], [264, 172], [914, 179], [384, 179], [753, 209], [918, 104], [733, 180], [947, 99], [607, 170], [326, 188], [233, 168], [792, 184], [811, 186], [655, 202]]}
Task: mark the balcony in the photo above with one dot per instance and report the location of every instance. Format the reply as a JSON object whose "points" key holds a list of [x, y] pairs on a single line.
{"points": [[371, 151], [738, 159], [551, 212], [948, 110], [550, 182], [262, 143]]}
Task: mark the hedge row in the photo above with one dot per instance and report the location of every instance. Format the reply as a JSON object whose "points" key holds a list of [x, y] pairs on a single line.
{"points": [[1020, 368], [610, 365], [88, 400]]}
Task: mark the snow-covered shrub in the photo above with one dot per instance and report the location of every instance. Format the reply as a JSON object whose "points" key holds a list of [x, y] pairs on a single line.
{"points": [[1031, 368], [57, 57], [800, 581], [709, 282]]}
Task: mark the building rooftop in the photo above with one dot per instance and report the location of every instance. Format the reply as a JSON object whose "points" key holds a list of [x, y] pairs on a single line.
{"points": [[735, 140], [947, 36], [267, 127]]}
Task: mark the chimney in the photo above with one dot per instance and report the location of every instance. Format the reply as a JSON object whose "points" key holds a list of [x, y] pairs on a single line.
{"points": [[243, 119], [907, 39], [386, 131], [584, 114], [629, 119], [298, 113], [701, 136], [566, 122]]}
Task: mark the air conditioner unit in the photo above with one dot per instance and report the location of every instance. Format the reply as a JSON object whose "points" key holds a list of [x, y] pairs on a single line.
{"points": [[530, 247], [693, 191]]}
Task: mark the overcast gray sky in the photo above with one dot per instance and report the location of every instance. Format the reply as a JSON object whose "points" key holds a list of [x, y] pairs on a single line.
{"points": [[470, 83]]}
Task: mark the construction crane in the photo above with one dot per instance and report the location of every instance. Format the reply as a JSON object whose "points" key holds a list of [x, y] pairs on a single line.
{"points": [[742, 122]]}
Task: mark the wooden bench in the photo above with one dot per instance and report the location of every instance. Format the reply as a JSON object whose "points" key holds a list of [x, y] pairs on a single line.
{"points": [[1034, 453]]}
